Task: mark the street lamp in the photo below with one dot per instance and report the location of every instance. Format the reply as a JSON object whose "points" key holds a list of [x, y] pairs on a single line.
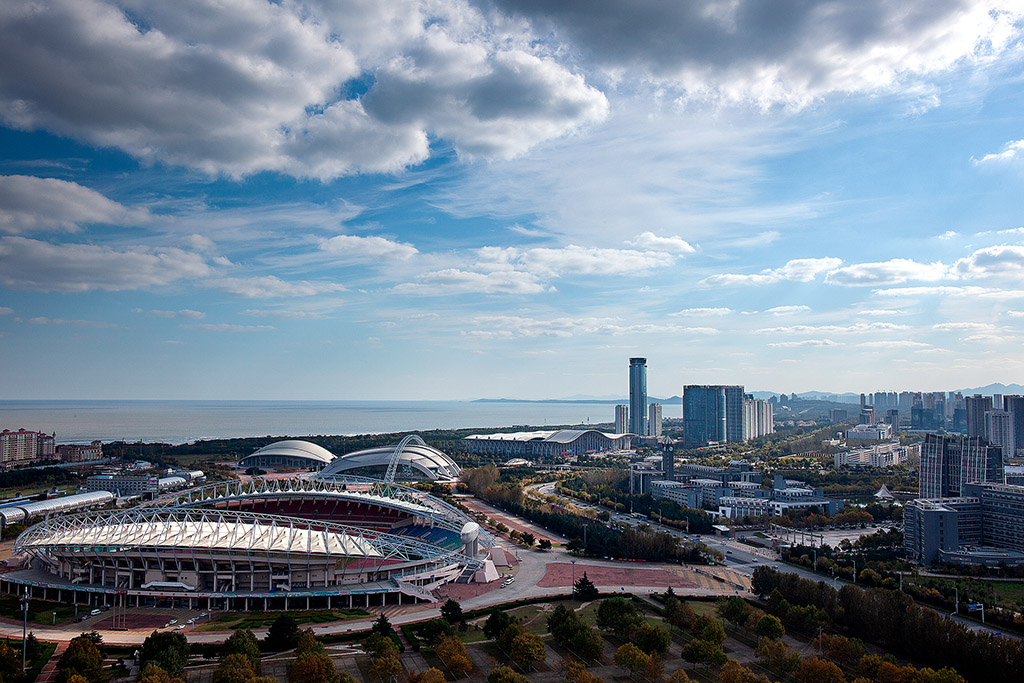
{"points": [[24, 629], [573, 563]]}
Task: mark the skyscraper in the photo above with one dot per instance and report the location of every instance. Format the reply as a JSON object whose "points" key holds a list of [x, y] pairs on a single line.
{"points": [[621, 419], [949, 462], [977, 406], [638, 396], [1015, 406], [712, 413], [654, 420], [999, 427]]}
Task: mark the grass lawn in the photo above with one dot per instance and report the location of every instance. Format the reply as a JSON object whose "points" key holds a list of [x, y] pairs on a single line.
{"points": [[40, 612], [704, 608], [251, 620]]}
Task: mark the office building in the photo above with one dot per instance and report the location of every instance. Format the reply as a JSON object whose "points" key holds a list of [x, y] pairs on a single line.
{"points": [[712, 414], [621, 419], [868, 432], [668, 463], [654, 419], [1015, 406], [977, 406], [548, 444], [638, 396], [838, 415], [880, 455], [949, 462]]}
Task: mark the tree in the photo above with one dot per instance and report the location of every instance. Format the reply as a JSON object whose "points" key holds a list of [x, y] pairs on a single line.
{"points": [[617, 615], [386, 668], [679, 614], [777, 657], [710, 630], [236, 668], [504, 674], [33, 648], [770, 627], [763, 580], [431, 675], [312, 667], [584, 589], [528, 539], [308, 643], [151, 673], [734, 672], [703, 652], [651, 639], [244, 643], [630, 657], [434, 630], [283, 634], [377, 645], [679, 676], [496, 622], [451, 611], [814, 670], [576, 672], [453, 653], [10, 662], [544, 544], [83, 658], [527, 649], [587, 643], [734, 610]]}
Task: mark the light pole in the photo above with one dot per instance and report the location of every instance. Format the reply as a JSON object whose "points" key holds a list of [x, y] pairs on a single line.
{"points": [[573, 563], [24, 629]]}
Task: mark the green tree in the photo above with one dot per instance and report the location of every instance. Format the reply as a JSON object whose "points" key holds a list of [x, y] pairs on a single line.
{"points": [[167, 649], [244, 643], [151, 673], [617, 615], [734, 610], [630, 657], [652, 640], [777, 657], [379, 646], [544, 544], [528, 539], [313, 666], [386, 668], [10, 662], [236, 668], [770, 627], [451, 611], [703, 652], [82, 657], [504, 674], [283, 634], [584, 589], [497, 621], [383, 626]]}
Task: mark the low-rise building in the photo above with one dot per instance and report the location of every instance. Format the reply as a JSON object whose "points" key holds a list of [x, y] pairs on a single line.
{"points": [[869, 432], [72, 452], [563, 442], [886, 454]]}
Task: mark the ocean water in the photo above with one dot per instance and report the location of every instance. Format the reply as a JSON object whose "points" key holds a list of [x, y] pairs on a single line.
{"points": [[185, 421]]}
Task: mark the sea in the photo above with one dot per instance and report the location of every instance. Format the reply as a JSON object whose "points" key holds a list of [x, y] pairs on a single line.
{"points": [[178, 422]]}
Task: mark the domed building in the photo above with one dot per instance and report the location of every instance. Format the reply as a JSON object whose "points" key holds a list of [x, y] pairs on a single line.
{"points": [[290, 453], [416, 462]]}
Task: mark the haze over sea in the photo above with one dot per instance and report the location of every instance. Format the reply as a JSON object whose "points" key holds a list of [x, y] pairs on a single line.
{"points": [[184, 421]]}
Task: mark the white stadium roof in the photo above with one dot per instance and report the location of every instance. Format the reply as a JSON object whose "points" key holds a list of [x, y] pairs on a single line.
{"points": [[291, 448], [427, 460]]}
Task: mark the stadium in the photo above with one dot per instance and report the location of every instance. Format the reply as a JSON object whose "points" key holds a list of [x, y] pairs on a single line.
{"points": [[301, 542]]}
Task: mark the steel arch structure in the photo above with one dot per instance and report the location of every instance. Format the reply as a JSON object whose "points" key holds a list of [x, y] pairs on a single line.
{"points": [[353, 488], [389, 477]]}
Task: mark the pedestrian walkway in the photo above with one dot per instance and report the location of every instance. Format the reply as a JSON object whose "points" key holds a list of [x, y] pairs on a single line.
{"points": [[49, 671]]}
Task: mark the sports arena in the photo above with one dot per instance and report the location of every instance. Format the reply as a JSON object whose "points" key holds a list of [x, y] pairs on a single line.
{"points": [[304, 542]]}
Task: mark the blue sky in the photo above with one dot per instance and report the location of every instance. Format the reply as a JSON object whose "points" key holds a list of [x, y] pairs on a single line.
{"points": [[453, 199]]}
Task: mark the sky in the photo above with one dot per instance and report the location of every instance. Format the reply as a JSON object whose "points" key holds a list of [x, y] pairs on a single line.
{"points": [[454, 199]]}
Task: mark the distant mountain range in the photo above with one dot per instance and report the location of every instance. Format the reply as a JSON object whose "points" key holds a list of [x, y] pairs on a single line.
{"points": [[847, 397]]}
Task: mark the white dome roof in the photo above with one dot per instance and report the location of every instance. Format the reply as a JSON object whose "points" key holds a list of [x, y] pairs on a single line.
{"points": [[293, 448]]}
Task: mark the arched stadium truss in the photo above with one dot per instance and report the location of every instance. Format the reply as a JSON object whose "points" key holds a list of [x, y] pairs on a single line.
{"points": [[257, 543]]}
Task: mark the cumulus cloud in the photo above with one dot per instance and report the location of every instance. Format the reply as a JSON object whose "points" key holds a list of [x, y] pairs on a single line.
{"points": [[674, 245], [892, 272], [361, 248], [255, 86], [1011, 150], [1001, 260], [800, 270], [948, 235], [33, 264], [787, 310], [270, 287], [785, 52], [30, 204], [574, 260], [185, 313]]}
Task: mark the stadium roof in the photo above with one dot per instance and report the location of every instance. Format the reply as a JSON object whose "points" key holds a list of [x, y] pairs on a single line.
{"points": [[427, 460], [292, 448], [556, 436]]}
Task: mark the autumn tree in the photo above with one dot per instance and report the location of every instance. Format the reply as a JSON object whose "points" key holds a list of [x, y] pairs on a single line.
{"points": [[527, 649], [236, 668], [151, 673], [244, 643], [83, 658], [431, 675], [504, 674], [576, 672], [630, 657], [814, 670], [453, 653]]}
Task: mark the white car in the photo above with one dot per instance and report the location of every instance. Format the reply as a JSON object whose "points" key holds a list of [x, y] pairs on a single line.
{"points": [[172, 622]]}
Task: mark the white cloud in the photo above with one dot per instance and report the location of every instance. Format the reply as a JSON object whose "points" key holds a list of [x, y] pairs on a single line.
{"points": [[673, 245], [787, 310], [893, 344], [32, 264], [72, 323], [282, 314], [239, 87], [881, 312], [186, 313], [948, 235], [269, 286], [511, 327], [1009, 314], [30, 204], [1011, 150], [992, 261], [4, 310], [894, 271], [961, 326], [225, 327], [855, 328], [360, 248], [574, 260], [800, 270], [702, 312], [803, 343], [456, 281], [955, 291]]}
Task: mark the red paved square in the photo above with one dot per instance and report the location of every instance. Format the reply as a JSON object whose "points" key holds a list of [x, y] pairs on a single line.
{"points": [[560, 574]]}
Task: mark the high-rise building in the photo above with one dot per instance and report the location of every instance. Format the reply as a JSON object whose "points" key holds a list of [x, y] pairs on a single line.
{"points": [[758, 418], [668, 463], [621, 419], [638, 396], [977, 406], [1015, 406], [999, 429], [25, 447], [949, 462], [712, 413], [654, 420]]}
